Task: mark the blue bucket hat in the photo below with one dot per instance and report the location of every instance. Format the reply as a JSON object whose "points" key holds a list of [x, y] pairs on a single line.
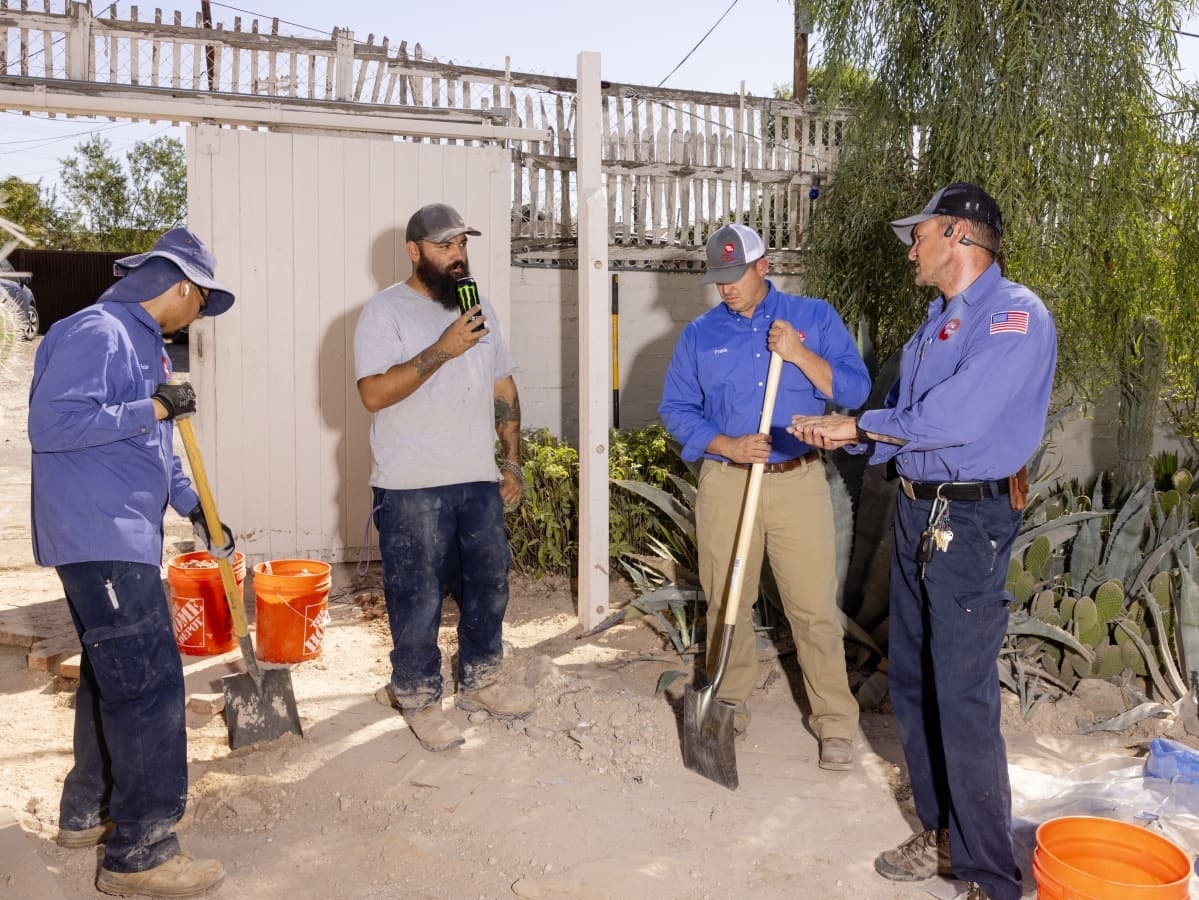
{"points": [[181, 247]]}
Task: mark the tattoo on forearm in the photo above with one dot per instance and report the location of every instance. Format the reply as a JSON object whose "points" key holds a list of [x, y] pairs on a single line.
{"points": [[429, 361], [507, 414]]}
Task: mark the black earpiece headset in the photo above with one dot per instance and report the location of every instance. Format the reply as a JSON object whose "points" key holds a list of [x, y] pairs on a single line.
{"points": [[966, 242]]}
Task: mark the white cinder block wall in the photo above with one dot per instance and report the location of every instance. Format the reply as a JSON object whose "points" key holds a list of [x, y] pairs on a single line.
{"points": [[543, 332]]}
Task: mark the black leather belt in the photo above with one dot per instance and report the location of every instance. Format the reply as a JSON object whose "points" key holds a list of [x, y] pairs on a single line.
{"points": [[954, 490], [785, 466]]}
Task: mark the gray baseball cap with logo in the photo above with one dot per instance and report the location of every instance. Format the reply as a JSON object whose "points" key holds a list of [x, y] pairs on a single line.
{"points": [[731, 251], [437, 223]]}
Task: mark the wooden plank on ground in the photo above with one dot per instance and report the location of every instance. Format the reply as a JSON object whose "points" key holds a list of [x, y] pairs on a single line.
{"points": [[69, 667], [46, 655]]}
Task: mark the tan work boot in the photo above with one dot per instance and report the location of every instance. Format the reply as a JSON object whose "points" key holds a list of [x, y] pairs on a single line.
{"points": [[502, 701], [836, 754], [73, 839], [920, 857], [181, 876], [433, 729]]}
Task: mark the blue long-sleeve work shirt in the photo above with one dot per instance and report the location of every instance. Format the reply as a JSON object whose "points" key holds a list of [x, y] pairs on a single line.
{"points": [[716, 381], [104, 471], [973, 387]]}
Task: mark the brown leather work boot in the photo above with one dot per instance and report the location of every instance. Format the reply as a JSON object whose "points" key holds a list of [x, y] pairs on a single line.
{"points": [[502, 701], [920, 857], [73, 839], [181, 876], [433, 729]]}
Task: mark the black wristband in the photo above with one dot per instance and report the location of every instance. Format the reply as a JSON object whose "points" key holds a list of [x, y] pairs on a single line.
{"points": [[863, 437]]}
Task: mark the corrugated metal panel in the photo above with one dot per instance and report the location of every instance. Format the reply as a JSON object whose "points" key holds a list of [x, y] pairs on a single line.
{"points": [[305, 228], [65, 281]]}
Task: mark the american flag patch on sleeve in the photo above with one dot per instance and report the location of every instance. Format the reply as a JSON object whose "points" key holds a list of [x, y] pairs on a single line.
{"points": [[1012, 320]]}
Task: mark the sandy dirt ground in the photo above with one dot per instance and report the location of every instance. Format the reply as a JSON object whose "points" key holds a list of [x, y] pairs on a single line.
{"points": [[586, 799]]}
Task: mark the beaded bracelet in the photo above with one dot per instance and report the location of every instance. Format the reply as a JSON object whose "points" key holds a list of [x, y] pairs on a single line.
{"points": [[514, 468]]}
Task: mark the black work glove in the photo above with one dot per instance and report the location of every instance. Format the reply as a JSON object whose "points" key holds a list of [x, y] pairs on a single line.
{"points": [[200, 526], [178, 399]]}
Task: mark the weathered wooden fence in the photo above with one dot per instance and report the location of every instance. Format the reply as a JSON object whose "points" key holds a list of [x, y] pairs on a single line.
{"points": [[676, 163]]}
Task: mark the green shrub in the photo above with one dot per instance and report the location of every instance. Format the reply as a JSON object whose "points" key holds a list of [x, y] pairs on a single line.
{"points": [[544, 531]]}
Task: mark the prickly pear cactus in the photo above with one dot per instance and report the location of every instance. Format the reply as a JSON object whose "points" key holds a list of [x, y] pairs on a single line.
{"points": [[1109, 600], [1087, 626], [1038, 557]]}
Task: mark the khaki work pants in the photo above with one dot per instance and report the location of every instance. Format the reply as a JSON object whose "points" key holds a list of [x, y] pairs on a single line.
{"points": [[794, 528]]}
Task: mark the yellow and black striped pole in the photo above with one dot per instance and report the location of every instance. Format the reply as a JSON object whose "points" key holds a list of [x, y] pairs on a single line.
{"points": [[615, 350]]}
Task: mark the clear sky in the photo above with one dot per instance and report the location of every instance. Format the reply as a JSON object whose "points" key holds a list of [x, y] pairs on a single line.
{"points": [[639, 42]]}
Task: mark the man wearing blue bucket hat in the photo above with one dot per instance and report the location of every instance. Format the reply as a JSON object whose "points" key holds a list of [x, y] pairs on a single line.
{"points": [[101, 407]]}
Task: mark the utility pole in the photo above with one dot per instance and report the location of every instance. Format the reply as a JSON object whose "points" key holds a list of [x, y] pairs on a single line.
{"points": [[209, 51], [803, 27]]}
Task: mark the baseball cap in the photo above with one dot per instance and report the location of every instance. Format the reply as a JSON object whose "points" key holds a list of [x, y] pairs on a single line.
{"points": [[437, 223], [730, 250], [962, 200], [181, 247]]}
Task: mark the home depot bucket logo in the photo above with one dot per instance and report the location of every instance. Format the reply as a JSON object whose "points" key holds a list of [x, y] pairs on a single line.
{"points": [[314, 632], [189, 621]]}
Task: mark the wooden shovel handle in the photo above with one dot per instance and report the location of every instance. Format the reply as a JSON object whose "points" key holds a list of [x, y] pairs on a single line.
{"points": [[749, 510], [200, 478]]}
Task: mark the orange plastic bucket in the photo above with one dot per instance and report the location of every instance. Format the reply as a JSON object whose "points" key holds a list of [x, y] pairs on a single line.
{"points": [[1088, 858], [291, 601], [199, 608]]}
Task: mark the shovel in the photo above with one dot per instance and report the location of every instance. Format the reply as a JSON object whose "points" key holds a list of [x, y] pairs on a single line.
{"points": [[260, 705], [708, 722]]}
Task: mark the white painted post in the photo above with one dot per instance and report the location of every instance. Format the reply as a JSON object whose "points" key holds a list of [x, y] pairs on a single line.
{"points": [[594, 349], [79, 42], [343, 72]]}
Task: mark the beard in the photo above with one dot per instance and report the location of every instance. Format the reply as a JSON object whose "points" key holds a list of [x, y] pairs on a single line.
{"points": [[441, 283]]}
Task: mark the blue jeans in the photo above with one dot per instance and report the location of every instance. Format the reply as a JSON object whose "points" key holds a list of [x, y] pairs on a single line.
{"points": [[130, 734], [432, 540], [944, 638]]}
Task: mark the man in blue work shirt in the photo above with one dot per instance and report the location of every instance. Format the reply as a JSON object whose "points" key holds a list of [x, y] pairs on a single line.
{"points": [[964, 417], [712, 404], [101, 407]]}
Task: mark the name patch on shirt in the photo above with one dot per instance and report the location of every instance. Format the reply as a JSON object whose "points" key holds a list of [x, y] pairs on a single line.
{"points": [[1012, 320]]}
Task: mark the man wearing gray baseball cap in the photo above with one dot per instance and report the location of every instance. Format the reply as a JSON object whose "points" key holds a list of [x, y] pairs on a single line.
{"points": [[712, 404], [101, 411], [436, 375]]}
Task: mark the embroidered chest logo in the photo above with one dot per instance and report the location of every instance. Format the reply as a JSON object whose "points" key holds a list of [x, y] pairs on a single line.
{"points": [[1013, 320], [950, 329]]}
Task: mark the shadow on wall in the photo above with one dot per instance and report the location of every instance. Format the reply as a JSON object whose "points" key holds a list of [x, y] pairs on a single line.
{"points": [[342, 410], [669, 301]]}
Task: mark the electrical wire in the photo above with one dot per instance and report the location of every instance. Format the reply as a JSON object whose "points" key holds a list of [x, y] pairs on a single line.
{"points": [[697, 46]]}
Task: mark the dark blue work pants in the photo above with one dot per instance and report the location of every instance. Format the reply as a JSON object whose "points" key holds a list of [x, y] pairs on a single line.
{"points": [[130, 734], [432, 540], [944, 638]]}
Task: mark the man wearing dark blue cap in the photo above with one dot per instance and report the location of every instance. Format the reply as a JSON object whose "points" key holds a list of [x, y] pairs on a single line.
{"points": [[964, 417], [712, 404], [101, 407]]}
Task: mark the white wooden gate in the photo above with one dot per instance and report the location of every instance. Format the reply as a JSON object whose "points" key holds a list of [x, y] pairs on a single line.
{"points": [[305, 227]]}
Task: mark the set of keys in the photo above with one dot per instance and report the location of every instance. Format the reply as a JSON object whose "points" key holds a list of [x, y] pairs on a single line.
{"points": [[936, 535]]}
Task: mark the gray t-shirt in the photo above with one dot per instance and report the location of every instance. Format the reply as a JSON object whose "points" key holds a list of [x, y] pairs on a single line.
{"points": [[444, 432]]}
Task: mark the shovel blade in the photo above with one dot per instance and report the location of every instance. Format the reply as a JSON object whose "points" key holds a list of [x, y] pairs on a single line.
{"points": [[708, 736], [263, 712]]}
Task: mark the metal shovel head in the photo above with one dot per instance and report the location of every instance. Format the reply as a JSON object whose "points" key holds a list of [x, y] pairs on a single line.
{"points": [[260, 713], [708, 736]]}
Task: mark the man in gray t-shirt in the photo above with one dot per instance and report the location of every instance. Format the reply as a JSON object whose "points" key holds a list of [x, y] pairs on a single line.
{"points": [[437, 381]]}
